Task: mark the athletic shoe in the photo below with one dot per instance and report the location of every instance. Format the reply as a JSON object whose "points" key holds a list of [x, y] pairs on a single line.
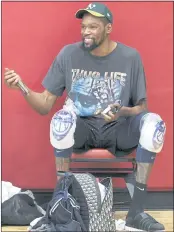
{"points": [[143, 222]]}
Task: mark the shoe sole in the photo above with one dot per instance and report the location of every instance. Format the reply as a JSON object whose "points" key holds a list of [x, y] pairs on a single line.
{"points": [[127, 228]]}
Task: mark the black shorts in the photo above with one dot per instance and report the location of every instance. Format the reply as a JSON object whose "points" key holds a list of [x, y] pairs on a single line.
{"points": [[96, 133]]}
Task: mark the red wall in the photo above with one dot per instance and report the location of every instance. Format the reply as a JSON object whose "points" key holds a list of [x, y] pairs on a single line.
{"points": [[32, 35]]}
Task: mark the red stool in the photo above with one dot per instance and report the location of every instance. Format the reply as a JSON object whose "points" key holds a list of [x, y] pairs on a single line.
{"points": [[102, 156]]}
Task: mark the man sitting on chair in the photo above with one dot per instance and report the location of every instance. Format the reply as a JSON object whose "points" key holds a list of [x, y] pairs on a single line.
{"points": [[98, 73]]}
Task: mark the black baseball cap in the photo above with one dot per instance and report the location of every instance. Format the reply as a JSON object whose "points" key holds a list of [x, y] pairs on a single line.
{"points": [[97, 9]]}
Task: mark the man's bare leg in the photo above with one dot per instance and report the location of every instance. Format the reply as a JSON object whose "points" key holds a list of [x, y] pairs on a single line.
{"points": [[151, 141], [62, 166], [141, 176], [140, 192], [143, 172]]}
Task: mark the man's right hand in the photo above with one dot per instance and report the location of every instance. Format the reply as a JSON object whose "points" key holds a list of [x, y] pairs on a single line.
{"points": [[11, 78], [40, 102]]}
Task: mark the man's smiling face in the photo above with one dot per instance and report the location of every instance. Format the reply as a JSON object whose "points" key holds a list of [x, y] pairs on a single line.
{"points": [[93, 31]]}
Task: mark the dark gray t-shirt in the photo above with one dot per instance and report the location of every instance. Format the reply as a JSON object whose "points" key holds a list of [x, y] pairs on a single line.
{"points": [[92, 83]]}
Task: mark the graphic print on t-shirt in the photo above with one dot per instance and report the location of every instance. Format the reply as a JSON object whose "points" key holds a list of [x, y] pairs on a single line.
{"points": [[92, 92]]}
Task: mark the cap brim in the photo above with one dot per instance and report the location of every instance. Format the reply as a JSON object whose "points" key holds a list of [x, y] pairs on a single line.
{"points": [[79, 14]]}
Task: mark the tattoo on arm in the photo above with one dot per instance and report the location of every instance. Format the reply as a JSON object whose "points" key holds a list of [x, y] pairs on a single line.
{"points": [[62, 164], [143, 103], [143, 171]]}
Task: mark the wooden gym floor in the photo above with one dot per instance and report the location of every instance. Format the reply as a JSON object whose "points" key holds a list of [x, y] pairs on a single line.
{"points": [[165, 217]]}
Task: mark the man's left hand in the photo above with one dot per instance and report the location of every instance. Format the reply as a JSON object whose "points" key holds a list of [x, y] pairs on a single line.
{"points": [[113, 112]]}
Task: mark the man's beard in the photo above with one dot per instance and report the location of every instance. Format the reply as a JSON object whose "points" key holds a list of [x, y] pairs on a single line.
{"points": [[94, 44]]}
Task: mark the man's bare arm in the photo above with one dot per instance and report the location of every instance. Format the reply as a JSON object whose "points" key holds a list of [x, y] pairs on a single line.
{"points": [[124, 111], [131, 111], [40, 102]]}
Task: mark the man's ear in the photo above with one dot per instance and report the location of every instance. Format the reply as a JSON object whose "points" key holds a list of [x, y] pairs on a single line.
{"points": [[108, 28]]}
